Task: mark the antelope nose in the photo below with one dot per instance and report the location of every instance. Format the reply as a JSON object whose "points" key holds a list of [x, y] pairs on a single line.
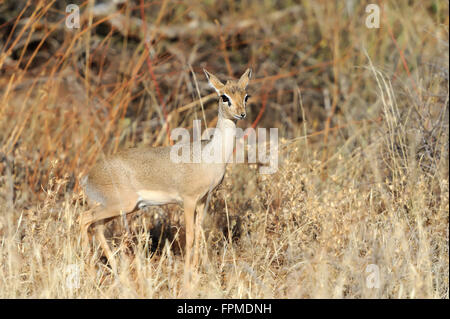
{"points": [[242, 115]]}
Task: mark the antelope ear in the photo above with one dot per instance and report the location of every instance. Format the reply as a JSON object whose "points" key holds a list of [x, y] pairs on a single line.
{"points": [[214, 82], [245, 78]]}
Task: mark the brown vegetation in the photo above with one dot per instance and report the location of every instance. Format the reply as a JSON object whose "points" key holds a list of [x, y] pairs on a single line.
{"points": [[363, 161]]}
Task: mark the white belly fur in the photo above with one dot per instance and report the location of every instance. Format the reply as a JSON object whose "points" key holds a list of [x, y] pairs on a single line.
{"points": [[156, 198]]}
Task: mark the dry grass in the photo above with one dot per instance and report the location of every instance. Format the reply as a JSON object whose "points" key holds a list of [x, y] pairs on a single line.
{"points": [[363, 124]]}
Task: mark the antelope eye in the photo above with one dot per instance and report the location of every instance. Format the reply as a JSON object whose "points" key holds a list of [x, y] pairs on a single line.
{"points": [[246, 98], [225, 99]]}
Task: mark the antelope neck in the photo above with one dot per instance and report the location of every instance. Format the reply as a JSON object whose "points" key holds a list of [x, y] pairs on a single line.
{"points": [[224, 137]]}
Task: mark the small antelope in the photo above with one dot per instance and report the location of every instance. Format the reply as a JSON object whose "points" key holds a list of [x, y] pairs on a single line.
{"points": [[139, 177]]}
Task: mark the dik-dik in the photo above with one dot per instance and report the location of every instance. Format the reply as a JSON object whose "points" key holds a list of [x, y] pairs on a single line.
{"points": [[137, 177]]}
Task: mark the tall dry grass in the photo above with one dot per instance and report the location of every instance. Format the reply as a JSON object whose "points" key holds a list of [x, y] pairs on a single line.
{"points": [[363, 160]]}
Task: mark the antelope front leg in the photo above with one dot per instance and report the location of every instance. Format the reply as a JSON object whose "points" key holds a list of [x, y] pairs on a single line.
{"points": [[189, 211], [198, 231]]}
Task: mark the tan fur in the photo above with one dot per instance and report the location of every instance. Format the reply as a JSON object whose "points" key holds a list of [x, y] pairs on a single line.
{"points": [[132, 178]]}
